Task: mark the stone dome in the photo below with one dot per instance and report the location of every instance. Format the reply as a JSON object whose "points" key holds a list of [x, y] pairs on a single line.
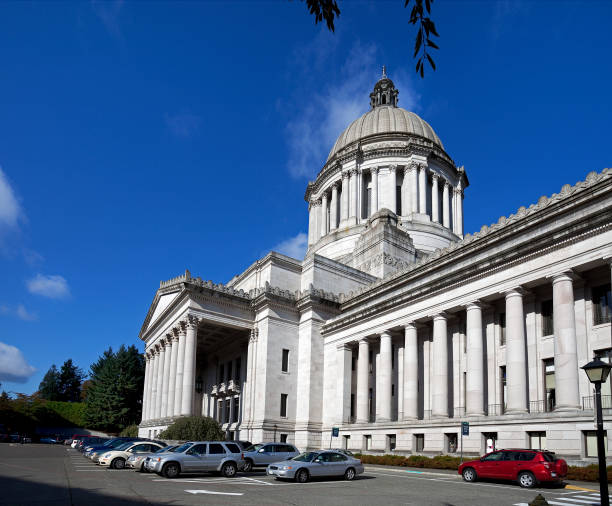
{"points": [[385, 118]]}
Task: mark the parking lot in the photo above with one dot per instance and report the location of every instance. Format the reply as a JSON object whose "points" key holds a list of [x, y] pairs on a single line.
{"points": [[41, 475]]}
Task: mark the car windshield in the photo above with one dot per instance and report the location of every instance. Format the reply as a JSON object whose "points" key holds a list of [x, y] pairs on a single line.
{"points": [[549, 457], [305, 457], [116, 443], [254, 448], [166, 449], [182, 448], [124, 446]]}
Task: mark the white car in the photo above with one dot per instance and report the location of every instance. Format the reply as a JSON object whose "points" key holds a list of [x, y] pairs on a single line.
{"points": [[116, 458]]}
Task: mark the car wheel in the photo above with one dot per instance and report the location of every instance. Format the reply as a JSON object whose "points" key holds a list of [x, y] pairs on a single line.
{"points": [[469, 474], [118, 463], [349, 474], [228, 470], [171, 470], [248, 466], [526, 480], [301, 476]]}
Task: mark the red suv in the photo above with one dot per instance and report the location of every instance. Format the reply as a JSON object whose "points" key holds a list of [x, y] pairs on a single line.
{"points": [[528, 467]]}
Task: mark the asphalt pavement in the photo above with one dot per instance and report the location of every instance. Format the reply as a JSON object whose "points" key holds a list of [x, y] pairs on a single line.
{"points": [[55, 475]]}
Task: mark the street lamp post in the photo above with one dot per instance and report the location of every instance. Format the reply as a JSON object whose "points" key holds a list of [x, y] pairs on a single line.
{"points": [[597, 372]]}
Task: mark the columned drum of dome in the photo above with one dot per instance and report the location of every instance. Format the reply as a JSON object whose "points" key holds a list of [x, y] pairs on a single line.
{"points": [[388, 159]]}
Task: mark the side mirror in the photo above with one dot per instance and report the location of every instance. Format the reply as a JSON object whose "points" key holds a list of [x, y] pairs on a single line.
{"points": [[189, 452], [261, 450], [318, 460]]}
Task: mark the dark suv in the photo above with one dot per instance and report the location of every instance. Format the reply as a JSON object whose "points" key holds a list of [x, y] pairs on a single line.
{"points": [[527, 467]]}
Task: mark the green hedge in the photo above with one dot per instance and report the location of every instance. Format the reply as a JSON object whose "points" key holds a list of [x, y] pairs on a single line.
{"points": [[72, 412], [587, 473], [194, 428], [130, 431]]}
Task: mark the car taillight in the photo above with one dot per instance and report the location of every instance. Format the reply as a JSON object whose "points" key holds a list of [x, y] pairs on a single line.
{"points": [[242, 456]]}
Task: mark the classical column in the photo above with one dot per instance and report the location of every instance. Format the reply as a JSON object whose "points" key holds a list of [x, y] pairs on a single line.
{"points": [[353, 200], [384, 389], [393, 188], [344, 212], [344, 356], [434, 198], [374, 172], [363, 373], [454, 209], [145, 390], [439, 389], [516, 373], [166, 375], [333, 211], [172, 378], [324, 228], [422, 188], [189, 369], [310, 224], [445, 205], [414, 187], [180, 366], [474, 403], [459, 226], [566, 355], [160, 379], [153, 388], [411, 372], [399, 389], [406, 198]]}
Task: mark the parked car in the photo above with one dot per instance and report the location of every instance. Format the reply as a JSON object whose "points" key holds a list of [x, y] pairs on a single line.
{"points": [[48, 440], [527, 467], [117, 457], [199, 456], [90, 441], [137, 460], [243, 444], [263, 454], [94, 452], [343, 450], [315, 465]]}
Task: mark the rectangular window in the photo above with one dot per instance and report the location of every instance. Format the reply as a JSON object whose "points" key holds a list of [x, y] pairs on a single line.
{"points": [[451, 442], [547, 318], [345, 442], [504, 394], [220, 411], [391, 442], [590, 443], [352, 405], [490, 440], [549, 383], [419, 442], [537, 440], [285, 364], [283, 405], [602, 304], [368, 442], [283, 438], [502, 329], [238, 366], [229, 370], [228, 407], [236, 408]]}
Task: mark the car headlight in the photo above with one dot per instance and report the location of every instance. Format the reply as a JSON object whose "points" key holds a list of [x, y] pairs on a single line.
{"points": [[286, 468], [131, 458], [106, 455]]}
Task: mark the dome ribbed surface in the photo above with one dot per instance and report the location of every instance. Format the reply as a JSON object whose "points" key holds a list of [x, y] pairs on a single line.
{"points": [[383, 120]]}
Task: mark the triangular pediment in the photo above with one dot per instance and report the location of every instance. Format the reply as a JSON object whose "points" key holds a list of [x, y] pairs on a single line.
{"points": [[158, 306]]}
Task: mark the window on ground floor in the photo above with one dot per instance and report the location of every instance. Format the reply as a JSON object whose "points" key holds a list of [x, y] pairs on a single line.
{"points": [[220, 411], [345, 442], [236, 409], [228, 409], [451, 442], [590, 443], [602, 304], [367, 442], [490, 441], [549, 383], [391, 439], [285, 361], [502, 329], [283, 438], [419, 442], [547, 318], [537, 440]]}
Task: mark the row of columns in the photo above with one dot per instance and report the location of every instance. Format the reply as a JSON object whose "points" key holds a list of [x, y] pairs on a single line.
{"points": [[565, 359], [324, 217], [170, 373]]}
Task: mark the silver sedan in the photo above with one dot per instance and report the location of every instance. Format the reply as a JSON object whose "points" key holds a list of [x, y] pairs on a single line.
{"points": [[316, 465]]}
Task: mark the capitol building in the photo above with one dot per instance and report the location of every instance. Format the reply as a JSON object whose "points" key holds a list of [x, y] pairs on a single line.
{"points": [[397, 326]]}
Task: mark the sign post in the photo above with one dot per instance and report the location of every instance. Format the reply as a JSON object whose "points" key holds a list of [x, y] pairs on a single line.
{"points": [[465, 431], [335, 433]]}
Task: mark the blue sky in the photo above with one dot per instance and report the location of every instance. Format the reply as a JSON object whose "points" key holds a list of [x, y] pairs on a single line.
{"points": [[139, 139]]}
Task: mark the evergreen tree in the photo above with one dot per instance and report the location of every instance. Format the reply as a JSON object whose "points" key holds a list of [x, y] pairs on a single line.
{"points": [[115, 390], [70, 379], [49, 387]]}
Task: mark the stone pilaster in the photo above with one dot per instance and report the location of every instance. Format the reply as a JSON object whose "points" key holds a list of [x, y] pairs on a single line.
{"points": [[474, 403], [516, 373], [344, 357], [363, 374], [180, 369], [414, 187], [422, 188], [165, 375], [333, 211], [440, 367], [374, 206], [434, 198], [445, 205], [384, 388], [324, 223], [172, 378], [411, 372], [392, 190], [344, 214]]}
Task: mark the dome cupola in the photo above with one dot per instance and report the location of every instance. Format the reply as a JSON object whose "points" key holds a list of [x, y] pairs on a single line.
{"points": [[385, 93]]}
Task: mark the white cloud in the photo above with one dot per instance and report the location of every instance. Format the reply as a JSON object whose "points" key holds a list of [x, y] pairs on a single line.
{"points": [[294, 247], [54, 287], [10, 211], [324, 112], [13, 366], [24, 314], [183, 124]]}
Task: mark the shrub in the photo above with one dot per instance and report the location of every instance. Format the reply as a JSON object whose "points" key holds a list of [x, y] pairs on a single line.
{"points": [[130, 431], [194, 428]]}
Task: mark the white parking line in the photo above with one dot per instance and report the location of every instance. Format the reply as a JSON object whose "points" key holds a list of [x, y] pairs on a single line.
{"points": [[211, 492]]}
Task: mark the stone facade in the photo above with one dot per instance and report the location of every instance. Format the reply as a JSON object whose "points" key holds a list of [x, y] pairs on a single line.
{"points": [[396, 327]]}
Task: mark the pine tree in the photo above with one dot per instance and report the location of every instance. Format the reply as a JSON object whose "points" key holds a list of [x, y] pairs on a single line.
{"points": [[70, 379], [115, 390], [50, 384]]}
